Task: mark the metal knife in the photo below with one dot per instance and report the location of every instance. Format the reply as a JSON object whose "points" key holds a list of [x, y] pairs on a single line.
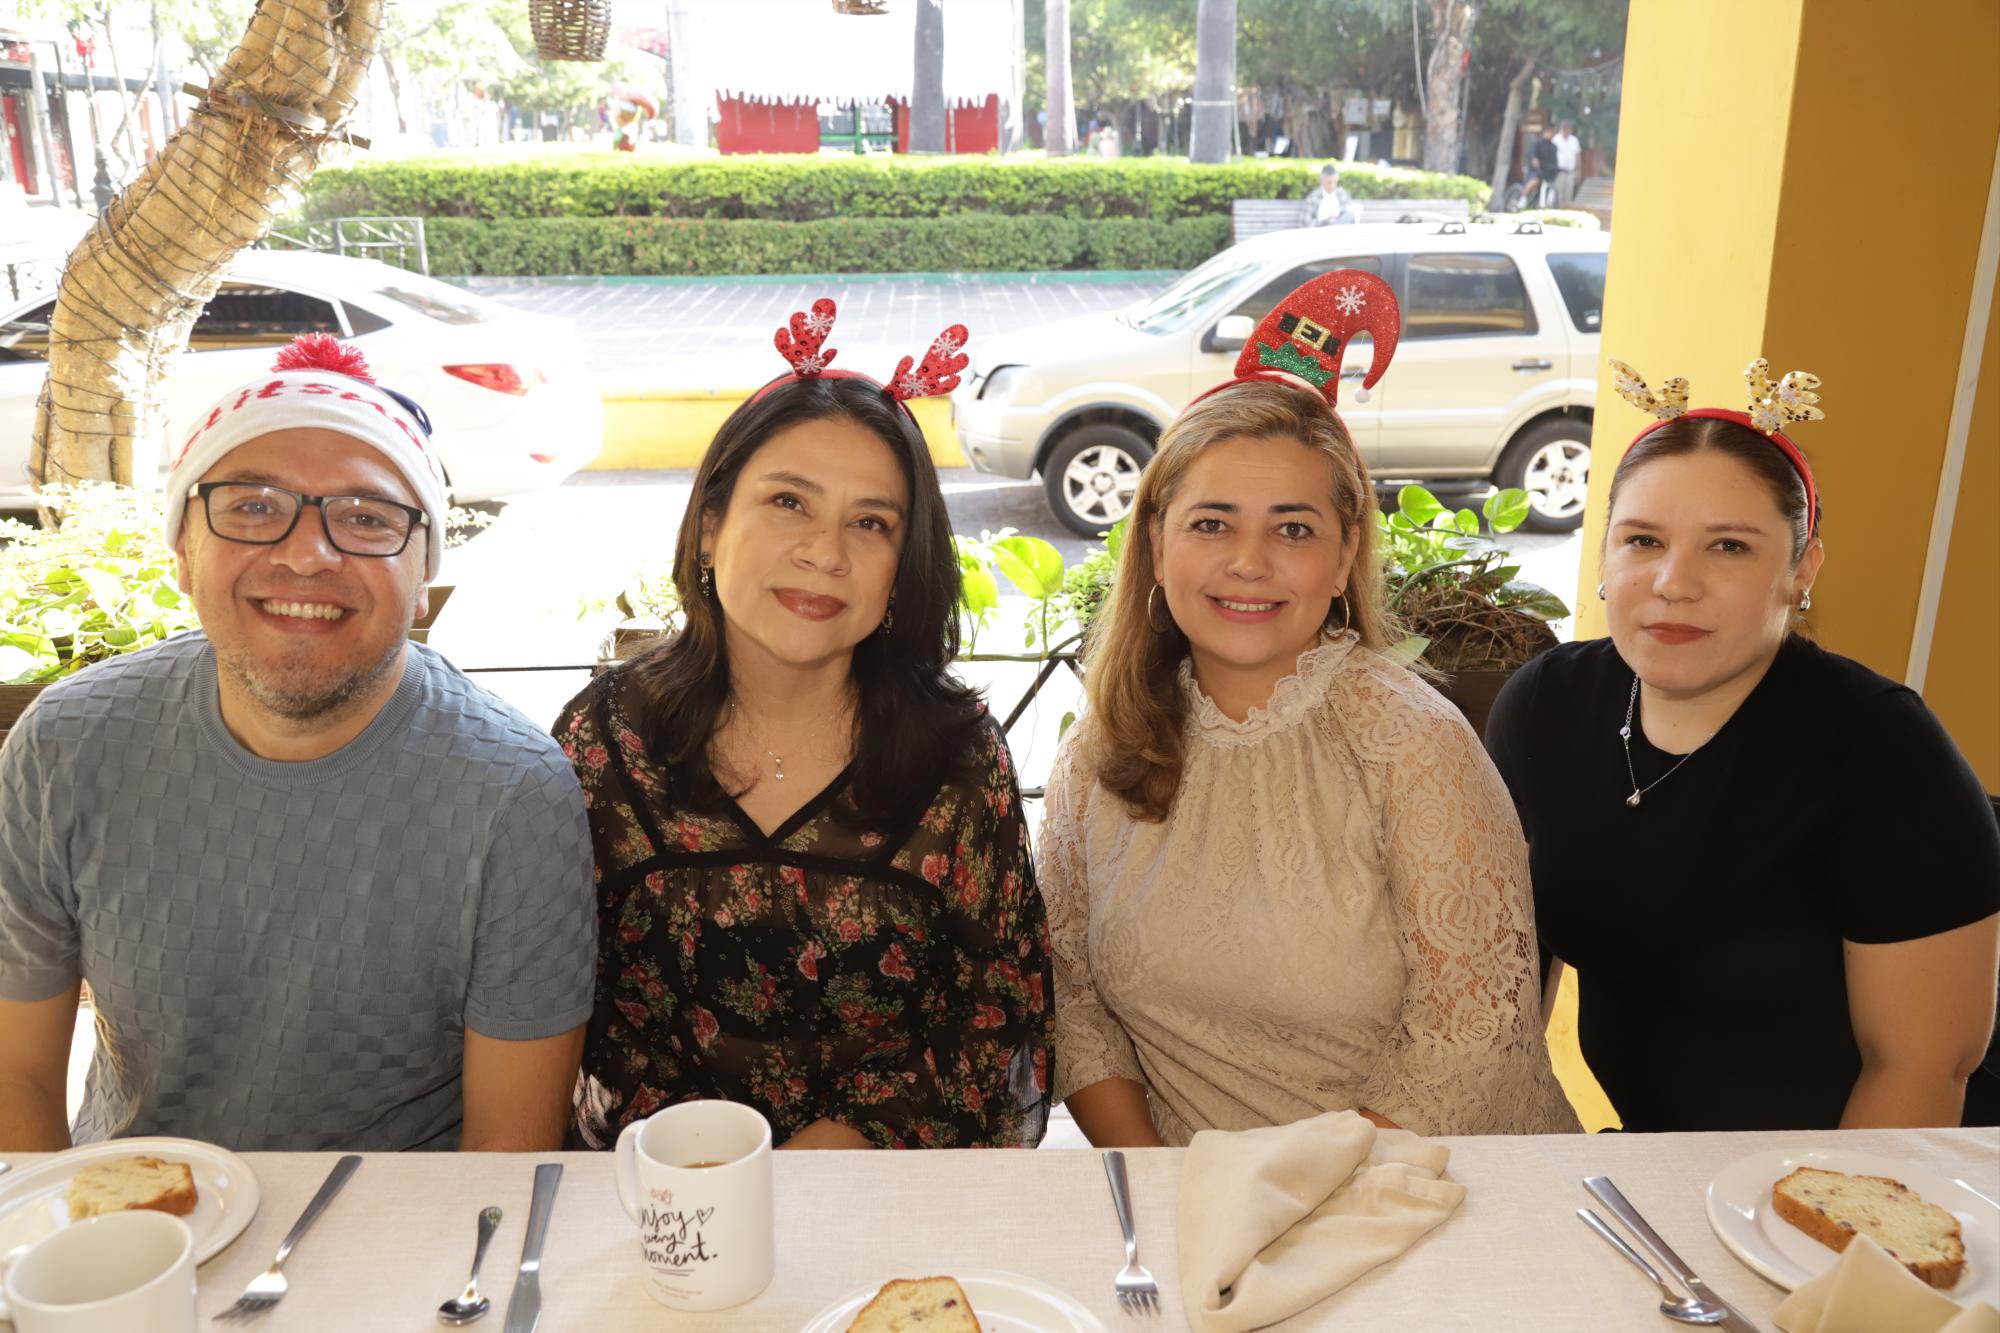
{"points": [[1608, 1195], [524, 1307]]}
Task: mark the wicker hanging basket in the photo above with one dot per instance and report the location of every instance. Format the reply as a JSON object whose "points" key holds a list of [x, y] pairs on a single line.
{"points": [[570, 29], [860, 6]]}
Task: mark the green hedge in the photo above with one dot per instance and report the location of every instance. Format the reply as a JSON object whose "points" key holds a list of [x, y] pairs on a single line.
{"points": [[804, 189], [968, 243]]}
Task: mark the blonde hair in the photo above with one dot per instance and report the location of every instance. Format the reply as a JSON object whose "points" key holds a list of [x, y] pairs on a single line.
{"points": [[1137, 710]]}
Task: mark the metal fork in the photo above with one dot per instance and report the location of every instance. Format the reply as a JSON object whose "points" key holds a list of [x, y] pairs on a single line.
{"points": [[269, 1287], [1136, 1289]]}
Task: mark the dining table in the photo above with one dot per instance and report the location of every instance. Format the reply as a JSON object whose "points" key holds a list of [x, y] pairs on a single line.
{"points": [[398, 1240]]}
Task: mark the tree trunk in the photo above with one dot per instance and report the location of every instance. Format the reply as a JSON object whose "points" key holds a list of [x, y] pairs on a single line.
{"points": [[395, 88], [133, 288], [1510, 125], [1214, 81], [927, 86], [1059, 135], [1451, 21]]}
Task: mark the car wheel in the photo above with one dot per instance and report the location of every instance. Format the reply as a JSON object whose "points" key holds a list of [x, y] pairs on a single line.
{"points": [[1093, 475], [1552, 464]]}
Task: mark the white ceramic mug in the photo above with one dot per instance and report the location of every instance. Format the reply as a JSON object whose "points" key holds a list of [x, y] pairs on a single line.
{"points": [[705, 1231], [109, 1274]]}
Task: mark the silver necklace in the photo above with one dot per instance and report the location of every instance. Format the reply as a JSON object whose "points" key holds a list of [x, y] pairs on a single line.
{"points": [[777, 760], [1625, 739]]}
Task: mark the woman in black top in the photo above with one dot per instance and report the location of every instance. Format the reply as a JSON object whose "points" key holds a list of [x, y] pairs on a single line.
{"points": [[1781, 902]]}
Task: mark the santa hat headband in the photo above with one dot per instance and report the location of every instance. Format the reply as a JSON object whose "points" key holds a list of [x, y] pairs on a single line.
{"points": [[318, 381], [1771, 406], [1301, 341], [802, 342]]}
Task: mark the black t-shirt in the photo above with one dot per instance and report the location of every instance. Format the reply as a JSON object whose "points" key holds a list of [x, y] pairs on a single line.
{"points": [[1705, 925], [1545, 159]]}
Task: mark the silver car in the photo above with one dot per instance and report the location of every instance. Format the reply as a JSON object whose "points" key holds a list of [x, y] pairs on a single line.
{"points": [[1494, 381]]}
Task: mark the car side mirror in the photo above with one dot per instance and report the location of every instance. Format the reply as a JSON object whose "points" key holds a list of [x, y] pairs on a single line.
{"points": [[1229, 334]]}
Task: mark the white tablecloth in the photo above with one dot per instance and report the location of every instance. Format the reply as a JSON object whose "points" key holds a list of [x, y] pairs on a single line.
{"points": [[1514, 1257]]}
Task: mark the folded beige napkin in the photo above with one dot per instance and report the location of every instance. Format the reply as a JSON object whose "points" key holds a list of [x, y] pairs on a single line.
{"points": [[1273, 1220], [1868, 1292]]}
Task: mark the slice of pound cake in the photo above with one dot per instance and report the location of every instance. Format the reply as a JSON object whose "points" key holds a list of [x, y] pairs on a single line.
{"points": [[917, 1305], [1833, 1207], [131, 1182]]}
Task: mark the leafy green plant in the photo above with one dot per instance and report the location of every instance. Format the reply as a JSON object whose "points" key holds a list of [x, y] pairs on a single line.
{"points": [[1454, 587], [102, 583], [806, 188]]}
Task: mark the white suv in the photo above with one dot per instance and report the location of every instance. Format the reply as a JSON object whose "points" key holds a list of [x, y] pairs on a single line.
{"points": [[1494, 381]]}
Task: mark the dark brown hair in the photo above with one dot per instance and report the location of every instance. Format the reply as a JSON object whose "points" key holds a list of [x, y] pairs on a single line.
{"points": [[1690, 435], [916, 722]]}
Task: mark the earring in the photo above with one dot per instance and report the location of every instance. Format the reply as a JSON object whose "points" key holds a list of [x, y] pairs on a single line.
{"points": [[707, 579], [888, 617], [1152, 620], [1600, 592], [1346, 615], [1805, 602]]}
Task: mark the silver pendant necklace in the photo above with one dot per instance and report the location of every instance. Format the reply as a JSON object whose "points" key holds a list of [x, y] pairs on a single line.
{"points": [[777, 760], [1625, 739]]}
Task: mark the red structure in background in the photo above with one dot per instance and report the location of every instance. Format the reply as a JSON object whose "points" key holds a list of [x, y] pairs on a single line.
{"points": [[774, 127], [766, 127]]}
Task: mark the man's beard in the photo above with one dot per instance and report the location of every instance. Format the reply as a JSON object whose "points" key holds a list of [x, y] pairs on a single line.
{"points": [[286, 691]]}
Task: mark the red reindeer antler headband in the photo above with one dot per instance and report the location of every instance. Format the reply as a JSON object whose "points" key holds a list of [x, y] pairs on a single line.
{"points": [[1300, 342], [1771, 406], [802, 341]]}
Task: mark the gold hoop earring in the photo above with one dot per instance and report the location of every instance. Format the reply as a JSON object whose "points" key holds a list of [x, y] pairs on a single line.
{"points": [[1152, 622], [1346, 615]]}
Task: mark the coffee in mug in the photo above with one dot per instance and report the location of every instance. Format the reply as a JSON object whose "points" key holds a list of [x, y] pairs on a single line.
{"points": [[705, 1228]]}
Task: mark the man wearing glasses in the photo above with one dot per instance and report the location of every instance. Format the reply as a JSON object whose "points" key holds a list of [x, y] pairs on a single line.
{"points": [[327, 893]]}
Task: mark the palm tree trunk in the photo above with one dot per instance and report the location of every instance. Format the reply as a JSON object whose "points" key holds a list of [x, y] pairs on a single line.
{"points": [[927, 87], [1214, 131], [1510, 124], [1059, 136], [135, 284]]}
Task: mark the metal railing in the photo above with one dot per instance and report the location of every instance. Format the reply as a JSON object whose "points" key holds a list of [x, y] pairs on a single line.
{"points": [[398, 241]]}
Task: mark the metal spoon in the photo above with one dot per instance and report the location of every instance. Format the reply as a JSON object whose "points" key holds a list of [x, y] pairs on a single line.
{"points": [[469, 1305], [1684, 1308]]}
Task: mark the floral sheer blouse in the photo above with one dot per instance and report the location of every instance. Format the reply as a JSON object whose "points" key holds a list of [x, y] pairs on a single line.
{"points": [[1336, 914], [894, 979]]}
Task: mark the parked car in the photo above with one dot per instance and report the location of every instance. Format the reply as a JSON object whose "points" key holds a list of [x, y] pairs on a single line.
{"points": [[1494, 381], [506, 389]]}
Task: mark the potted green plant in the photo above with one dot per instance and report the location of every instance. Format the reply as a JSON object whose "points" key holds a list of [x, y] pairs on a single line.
{"points": [[100, 584], [1455, 589]]}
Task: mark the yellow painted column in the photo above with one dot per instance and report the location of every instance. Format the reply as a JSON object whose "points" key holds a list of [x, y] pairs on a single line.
{"points": [[1771, 202]]}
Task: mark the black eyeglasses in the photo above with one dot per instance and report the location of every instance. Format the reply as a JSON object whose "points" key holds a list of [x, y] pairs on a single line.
{"points": [[260, 515]]}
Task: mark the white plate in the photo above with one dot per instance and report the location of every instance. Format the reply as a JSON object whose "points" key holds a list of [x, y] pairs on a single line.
{"points": [[1004, 1302], [35, 1202], [1739, 1208]]}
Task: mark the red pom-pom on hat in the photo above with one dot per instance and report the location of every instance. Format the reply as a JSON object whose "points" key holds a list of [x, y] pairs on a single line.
{"points": [[323, 351]]}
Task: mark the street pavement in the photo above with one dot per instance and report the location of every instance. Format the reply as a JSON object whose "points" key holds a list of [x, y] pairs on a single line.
{"points": [[675, 333]]}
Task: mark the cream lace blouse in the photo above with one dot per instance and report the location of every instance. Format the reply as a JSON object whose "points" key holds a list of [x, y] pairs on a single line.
{"points": [[1336, 914]]}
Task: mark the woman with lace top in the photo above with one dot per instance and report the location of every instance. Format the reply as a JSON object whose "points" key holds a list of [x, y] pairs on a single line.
{"points": [[815, 895], [1282, 877]]}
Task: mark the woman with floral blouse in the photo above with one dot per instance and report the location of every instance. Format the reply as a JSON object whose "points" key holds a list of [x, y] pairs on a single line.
{"points": [[868, 966]]}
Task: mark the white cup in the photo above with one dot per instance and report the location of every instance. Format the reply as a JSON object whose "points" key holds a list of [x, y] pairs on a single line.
{"points": [[111, 1274], [705, 1232]]}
